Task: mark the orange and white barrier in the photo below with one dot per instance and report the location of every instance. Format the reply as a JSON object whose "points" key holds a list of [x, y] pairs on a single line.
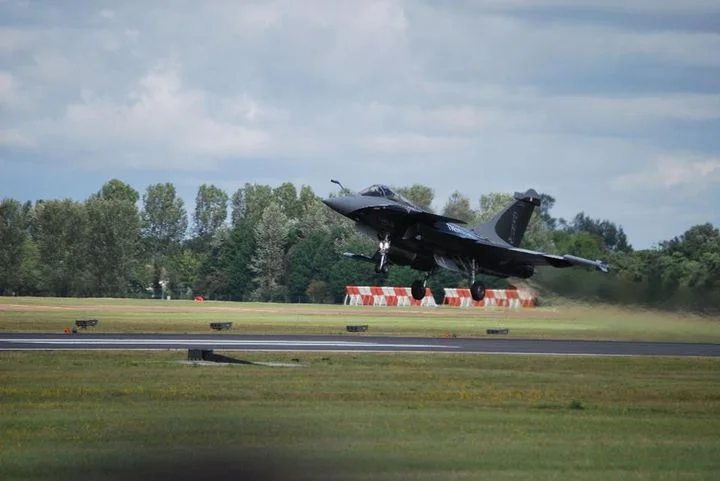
{"points": [[512, 298], [385, 296]]}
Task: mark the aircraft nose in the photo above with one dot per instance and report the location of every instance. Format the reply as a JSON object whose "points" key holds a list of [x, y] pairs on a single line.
{"points": [[338, 204]]}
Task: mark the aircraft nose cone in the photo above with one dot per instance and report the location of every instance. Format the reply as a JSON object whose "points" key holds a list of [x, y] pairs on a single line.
{"points": [[338, 204]]}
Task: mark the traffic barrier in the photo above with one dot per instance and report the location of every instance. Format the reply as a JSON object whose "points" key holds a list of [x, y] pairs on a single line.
{"points": [[385, 296], [511, 298]]}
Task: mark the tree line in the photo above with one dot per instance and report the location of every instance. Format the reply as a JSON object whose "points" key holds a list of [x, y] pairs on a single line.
{"points": [[282, 244]]}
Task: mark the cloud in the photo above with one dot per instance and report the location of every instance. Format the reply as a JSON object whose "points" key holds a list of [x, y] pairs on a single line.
{"points": [[669, 172], [664, 6], [572, 99], [409, 142], [7, 87], [106, 14], [14, 138], [159, 114]]}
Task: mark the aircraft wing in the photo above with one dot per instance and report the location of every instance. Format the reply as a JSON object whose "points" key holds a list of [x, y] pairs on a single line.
{"points": [[516, 254], [360, 257]]}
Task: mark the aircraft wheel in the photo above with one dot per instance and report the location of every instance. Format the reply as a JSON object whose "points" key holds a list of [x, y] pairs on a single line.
{"points": [[477, 291], [382, 268], [418, 290]]}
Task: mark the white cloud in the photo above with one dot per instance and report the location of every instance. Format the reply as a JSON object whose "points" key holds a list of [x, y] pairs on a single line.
{"points": [[14, 138], [7, 87], [669, 172], [632, 109], [624, 6], [159, 115], [14, 98], [107, 14], [410, 142], [472, 95], [13, 39]]}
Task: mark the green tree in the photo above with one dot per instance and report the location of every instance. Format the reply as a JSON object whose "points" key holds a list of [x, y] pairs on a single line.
{"points": [[29, 269], [210, 211], [401, 276], [582, 244], [311, 259], [237, 256], [60, 234], [249, 202], [458, 207], [13, 234], [318, 291], [113, 244], [420, 195], [319, 217], [164, 223], [117, 190], [184, 272], [306, 198], [287, 198], [212, 277], [164, 219], [268, 263], [547, 202], [612, 236]]}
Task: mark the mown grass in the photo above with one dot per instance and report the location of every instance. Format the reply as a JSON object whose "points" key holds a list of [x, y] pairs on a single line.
{"points": [[115, 415], [566, 321]]}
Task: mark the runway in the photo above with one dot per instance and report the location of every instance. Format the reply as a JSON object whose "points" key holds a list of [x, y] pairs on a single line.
{"points": [[349, 343]]}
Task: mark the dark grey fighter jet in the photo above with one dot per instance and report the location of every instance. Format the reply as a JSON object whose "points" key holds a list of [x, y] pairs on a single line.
{"points": [[411, 236]]}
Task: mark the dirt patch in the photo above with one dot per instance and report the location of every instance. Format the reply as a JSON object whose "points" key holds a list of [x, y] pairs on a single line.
{"points": [[35, 307]]}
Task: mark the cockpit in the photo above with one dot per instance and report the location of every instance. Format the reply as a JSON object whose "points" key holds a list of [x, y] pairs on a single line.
{"points": [[379, 190]]}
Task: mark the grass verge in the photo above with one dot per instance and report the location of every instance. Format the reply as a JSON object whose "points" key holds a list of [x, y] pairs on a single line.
{"points": [[568, 322], [114, 415]]}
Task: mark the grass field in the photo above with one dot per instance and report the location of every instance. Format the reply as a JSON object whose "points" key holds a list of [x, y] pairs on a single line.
{"points": [[102, 415], [567, 321], [147, 415]]}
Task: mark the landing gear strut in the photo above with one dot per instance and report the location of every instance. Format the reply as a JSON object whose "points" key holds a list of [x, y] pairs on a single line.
{"points": [[382, 265], [418, 286], [477, 288]]}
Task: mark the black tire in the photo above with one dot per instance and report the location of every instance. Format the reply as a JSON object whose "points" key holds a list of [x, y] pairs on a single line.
{"points": [[477, 291], [418, 290]]}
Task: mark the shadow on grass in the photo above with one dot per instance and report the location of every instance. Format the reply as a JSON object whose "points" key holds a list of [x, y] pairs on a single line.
{"points": [[237, 464]]}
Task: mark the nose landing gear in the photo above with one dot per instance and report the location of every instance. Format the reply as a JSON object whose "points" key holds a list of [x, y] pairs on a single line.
{"points": [[382, 266]]}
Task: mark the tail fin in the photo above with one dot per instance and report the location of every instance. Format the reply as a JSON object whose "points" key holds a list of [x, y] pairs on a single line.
{"points": [[510, 224]]}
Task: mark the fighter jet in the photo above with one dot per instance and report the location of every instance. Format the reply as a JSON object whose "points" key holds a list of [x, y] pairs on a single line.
{"points": [[409, 235]]}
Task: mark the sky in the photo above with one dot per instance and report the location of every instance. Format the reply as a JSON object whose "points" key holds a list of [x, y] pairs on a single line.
{"points": [[610, 106]]}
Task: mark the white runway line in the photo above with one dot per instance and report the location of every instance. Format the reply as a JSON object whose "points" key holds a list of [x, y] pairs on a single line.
{"points": [[214, 342]]}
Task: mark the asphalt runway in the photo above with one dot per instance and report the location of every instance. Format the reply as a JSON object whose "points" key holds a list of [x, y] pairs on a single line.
{"points": [[350, 343]]}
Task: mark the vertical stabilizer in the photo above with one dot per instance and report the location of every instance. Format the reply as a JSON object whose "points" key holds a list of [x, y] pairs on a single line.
{"points": [[510, 224]]}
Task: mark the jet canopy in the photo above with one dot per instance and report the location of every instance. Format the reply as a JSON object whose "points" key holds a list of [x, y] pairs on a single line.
{"points": [[379, 190]]}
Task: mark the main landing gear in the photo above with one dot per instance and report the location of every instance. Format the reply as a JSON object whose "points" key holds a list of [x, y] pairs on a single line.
{"points": [[477, 291], [477, 288], [417, 289]]}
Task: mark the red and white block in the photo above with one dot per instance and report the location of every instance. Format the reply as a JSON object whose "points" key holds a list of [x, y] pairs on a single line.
{"points": [[511, 298], [385, 296]]}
